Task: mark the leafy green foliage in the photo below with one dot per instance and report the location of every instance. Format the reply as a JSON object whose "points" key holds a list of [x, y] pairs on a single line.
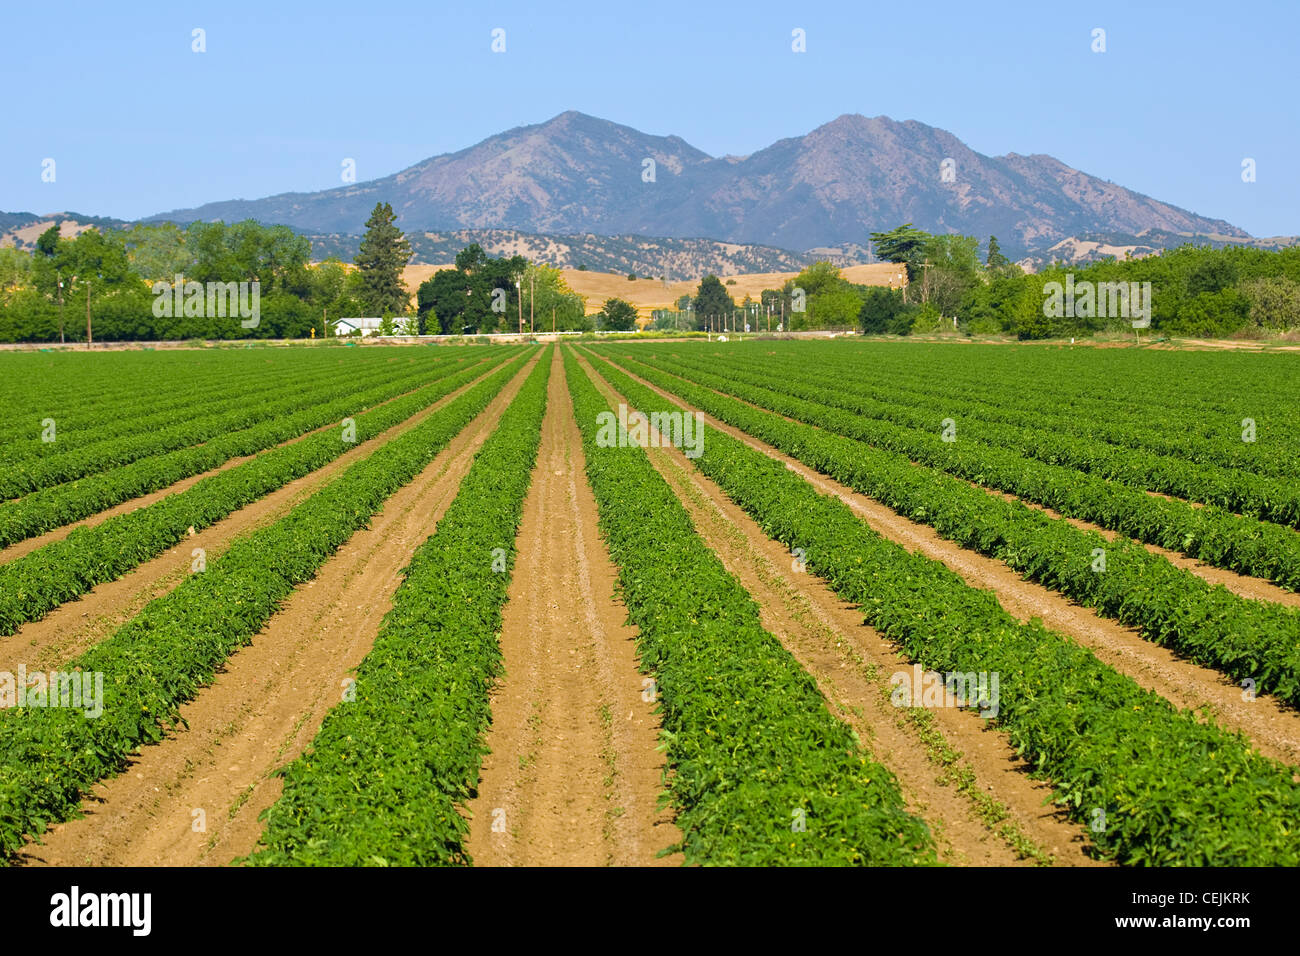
{"points": [[461, 299], [34, 584], [749, 738], [618, 315], [1236, 542], [381, 782], [1171, 606], [712, 299], [50, 757], [904, 244], [1174, 791], [280, 405]]}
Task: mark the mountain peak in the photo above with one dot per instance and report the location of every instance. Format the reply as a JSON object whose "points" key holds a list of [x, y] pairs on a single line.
{"points": [[576, 173]]}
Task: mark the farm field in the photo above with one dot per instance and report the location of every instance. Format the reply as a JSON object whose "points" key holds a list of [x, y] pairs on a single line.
{"points": [[650, 603]]}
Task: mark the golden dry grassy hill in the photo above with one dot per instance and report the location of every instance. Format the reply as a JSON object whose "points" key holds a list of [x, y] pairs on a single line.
{"points": [[650, 294]]}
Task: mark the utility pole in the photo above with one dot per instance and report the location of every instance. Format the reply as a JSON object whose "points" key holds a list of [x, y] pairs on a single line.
{"points": [[61, 342], [552, 320], [531, 302], [89, 341], [519, 294]]}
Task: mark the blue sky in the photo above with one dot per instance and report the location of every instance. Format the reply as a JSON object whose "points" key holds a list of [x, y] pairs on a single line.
{"points": [[137, 123]]}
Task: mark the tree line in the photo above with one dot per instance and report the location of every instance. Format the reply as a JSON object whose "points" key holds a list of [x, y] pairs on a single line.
{"points": [[113, 277], [1196, 291]]}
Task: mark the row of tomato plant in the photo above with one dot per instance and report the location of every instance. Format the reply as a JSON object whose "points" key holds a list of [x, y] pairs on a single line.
{"points": [[751, 746], [1130, 385], [201, 424], [51, 757], [22, 441], [1137, 420], [382, 781], [173, 383], [1121, 579], [1154, 785], [1260, 496], [63, 504], [1235, 542], [34, 584]]}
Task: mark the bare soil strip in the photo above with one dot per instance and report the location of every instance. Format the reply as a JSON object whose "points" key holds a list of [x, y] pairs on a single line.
{"points": [[946, 763], [574, 775], [79, 625], [268, 703], [1272, 728], [28, 545]]}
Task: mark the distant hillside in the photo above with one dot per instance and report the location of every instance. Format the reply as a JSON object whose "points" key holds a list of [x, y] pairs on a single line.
{"points": [[577, 174], [1093, 247], [645, 256], [656, 258], [648, 294], [668, 258], [22, 229]]}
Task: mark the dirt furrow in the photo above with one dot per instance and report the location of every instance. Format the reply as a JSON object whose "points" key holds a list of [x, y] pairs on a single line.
{"points": [[194, 799], [78, 625], [1272, 728], [574, 774], [967, 784]]}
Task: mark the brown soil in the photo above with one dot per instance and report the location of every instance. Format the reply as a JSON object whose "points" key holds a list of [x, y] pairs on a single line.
{"points": [[268, 702], [1272, 728], [574, 775], [28, 545], [852, 663], [78, 625]]}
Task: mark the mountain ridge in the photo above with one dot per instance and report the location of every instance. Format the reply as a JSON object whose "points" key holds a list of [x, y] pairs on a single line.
{"points": [[576, 174]]}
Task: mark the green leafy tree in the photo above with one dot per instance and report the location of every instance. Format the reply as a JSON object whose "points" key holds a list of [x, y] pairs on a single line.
{"points": [[551, 299], [15, 269], [820, 277], [1274, 302], [471, 259], [951, 270], [461, 300], [903, 244], [384, 252], [835, 308], [1212, 314], [1211, 274], [880, 306], [618, 315], [712, 299], [157, 252]]}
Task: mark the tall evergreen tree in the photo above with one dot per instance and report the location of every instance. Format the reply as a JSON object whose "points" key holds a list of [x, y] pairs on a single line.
{"points": [[712, 299], [384, 251], [995, 259]]}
